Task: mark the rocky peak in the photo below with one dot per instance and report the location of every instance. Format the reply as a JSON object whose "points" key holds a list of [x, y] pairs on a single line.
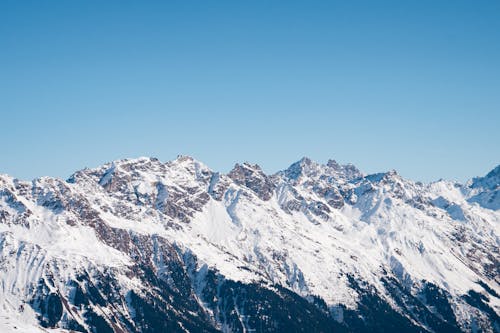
{"points": [[118, 168], [495, 173], [5, 180], [189, 169], [485, 190], [391, 174], [491, 181], [383, 177], [304, 167], [348, 171], [252, 177], [333, 164]]}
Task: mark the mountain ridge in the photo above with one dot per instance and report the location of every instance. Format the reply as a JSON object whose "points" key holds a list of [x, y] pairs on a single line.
{"points": [[347, 243]]}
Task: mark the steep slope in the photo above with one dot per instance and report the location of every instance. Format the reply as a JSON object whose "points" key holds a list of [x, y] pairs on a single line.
{"points": [[144, 246], [485, 190]]}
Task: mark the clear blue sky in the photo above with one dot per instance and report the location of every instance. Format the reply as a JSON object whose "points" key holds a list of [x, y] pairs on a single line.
{"points": [[409, 85]]}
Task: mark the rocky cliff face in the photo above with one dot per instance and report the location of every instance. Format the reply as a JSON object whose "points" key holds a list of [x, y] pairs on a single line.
{"points": [[144, 246]]}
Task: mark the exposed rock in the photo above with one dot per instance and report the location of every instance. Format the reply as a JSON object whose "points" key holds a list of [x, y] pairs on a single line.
{"points": [[144, 246], [252, 177]]}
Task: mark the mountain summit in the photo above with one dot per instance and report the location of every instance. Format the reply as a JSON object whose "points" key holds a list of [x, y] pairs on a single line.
{"points": [[138, 245]]}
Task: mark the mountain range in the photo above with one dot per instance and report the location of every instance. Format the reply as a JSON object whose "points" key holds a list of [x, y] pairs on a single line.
{"points": [[139, 245]]}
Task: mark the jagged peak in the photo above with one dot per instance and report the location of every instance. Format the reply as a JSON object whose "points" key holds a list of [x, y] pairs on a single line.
{"points": [[333, 163], [391, 173], [304, 166], [5, 177], [252, 176], [246, 170], [248, 166], [46, 180], [119, 165], [383, 176], [494, 173], [491, 180], [6, 181], [129, 162], [305, 161], [189, 163], [186, 160], [348, 171], [307, 167], [253, 166], [136, 163], [124, 162], [183, 166]]}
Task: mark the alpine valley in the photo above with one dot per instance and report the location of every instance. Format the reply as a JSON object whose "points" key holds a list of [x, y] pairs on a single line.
{"points": [[139, 245]]}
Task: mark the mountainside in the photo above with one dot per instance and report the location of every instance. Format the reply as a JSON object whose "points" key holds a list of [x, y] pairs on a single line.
{"points": [[144, 246]]}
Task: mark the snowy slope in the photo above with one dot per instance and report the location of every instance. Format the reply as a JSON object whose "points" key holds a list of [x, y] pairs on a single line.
{"points": [[80, 254]]}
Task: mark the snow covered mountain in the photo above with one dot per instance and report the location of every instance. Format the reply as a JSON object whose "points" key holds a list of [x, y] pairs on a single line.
{"points": [[144, 246]]}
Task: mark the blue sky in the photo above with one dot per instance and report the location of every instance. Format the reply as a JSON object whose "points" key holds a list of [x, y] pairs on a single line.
{"points": [[409, 85]]}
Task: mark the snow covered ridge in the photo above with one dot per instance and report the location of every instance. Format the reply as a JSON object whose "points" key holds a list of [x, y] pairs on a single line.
{"points": [[143, 246]]}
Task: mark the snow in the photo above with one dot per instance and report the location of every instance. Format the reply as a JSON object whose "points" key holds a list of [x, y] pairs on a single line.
{"points": [[248, 239]]}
